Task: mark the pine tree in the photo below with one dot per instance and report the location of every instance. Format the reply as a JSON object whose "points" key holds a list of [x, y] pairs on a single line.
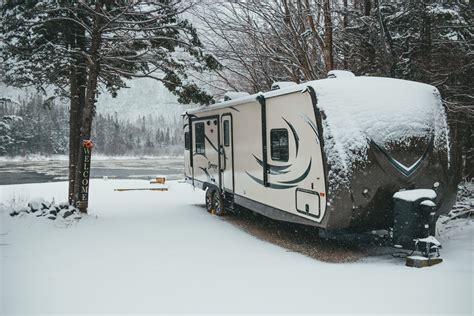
{"points": [[99, 43]]}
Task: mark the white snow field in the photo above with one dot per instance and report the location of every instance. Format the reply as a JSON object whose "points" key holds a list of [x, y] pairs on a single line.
{"points": [[147, 252]]}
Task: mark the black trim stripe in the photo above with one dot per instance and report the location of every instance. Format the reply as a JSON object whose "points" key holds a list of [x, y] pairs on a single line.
{"points": [[270, 185], [233, 108], [274, 169], [209, 178], [212, 145], [300, 178], [261, 100]]}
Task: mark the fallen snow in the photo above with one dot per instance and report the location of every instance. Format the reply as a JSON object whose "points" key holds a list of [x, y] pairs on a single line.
{"points": [[148, 252], [413, 195], [428, 203], [429, 240]]}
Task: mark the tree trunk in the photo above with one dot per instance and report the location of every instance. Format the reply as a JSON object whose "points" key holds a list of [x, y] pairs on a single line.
{"points": [[302, 58], [320, 42], [74, 121], [77, 74], [328, 36], [387, 43], [367, 7], [81, 76], [88, 113], [345, 23], [426, 44]]}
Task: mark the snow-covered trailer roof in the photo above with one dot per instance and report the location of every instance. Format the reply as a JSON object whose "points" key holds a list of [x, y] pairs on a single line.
{"points": [[387, 111], [358, 110]]}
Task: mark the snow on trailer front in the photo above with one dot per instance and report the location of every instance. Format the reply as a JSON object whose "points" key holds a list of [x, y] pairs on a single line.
{"points": [[329, 153]]}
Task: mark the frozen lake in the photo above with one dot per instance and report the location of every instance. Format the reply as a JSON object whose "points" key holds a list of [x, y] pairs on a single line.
{"points": [[20, 172]]}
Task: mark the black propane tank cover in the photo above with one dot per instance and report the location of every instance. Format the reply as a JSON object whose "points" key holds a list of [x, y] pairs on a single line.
{"points": [[412, 214]]}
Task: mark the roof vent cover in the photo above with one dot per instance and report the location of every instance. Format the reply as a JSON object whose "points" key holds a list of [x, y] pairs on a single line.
{"points": [[340, 74], [282, 84], [232, 95]]}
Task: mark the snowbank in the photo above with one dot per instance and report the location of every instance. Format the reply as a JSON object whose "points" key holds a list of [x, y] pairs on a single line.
{"points": [[149, 252]]}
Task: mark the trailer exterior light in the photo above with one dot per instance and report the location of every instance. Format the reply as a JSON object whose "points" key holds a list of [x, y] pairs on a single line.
{"points": [[436, 184]]}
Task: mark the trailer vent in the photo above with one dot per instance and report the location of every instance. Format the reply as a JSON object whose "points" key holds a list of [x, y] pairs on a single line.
{"points": [[340, 74], [282, 85], [232, 95]]}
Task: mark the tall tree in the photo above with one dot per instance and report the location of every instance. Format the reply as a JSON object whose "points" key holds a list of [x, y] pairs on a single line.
{"points": [[98, 44]]}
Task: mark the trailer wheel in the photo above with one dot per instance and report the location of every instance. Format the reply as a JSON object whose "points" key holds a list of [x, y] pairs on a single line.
{"points": [[210, 200], [218, 204]]}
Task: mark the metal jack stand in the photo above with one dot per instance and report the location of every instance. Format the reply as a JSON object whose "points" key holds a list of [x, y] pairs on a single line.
{"points": [[414, 227]]}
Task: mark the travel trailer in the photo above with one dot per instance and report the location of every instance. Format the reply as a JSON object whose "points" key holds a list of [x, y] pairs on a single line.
{"points": [[329, 153]]}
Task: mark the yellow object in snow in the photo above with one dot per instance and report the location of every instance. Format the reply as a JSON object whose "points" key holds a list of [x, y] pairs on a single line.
{"points": [[159, 180]]}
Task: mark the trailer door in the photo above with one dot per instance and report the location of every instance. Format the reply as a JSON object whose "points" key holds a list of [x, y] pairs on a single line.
{"points": [[226, 148]]}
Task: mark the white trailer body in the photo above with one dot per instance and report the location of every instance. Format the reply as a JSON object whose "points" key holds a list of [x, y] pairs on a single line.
{"points": [[277, 153]]}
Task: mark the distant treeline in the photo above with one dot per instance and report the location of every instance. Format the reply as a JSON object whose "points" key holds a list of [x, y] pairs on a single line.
{"points": [[36, 126]]}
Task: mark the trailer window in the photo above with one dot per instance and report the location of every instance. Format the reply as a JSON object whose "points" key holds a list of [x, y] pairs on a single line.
{"points": [[279, 144], [200, 140], [226, 133], [187, 141]]}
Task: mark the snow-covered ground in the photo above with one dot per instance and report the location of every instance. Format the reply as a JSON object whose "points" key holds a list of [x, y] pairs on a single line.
{"points": [[145, 251]]}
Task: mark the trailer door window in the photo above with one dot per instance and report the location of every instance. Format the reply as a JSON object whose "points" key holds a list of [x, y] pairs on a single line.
{"points": [[187, 141], [226, 133], [200, 140], [279, 144]]}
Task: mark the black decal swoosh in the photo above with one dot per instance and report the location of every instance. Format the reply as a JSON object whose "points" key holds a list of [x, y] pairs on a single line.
{"points": [[271, 185], [207, 138], [295, 135], [231, 107], [311, 124], [300, 178], [209, 178], [274, 169]]}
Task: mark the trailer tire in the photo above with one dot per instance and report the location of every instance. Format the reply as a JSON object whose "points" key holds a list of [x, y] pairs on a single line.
{"points": [[210, 200], [218, 203]]}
